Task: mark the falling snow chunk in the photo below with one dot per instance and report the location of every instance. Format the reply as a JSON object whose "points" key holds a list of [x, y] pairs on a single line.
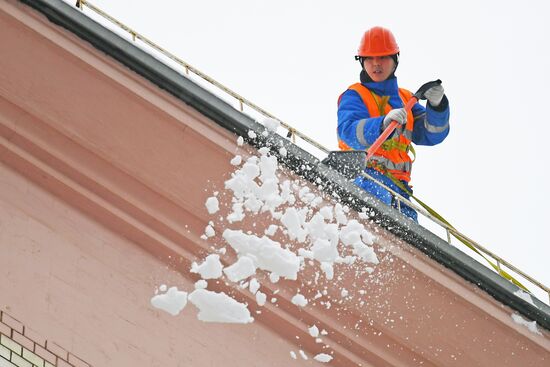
{"points": [[271, 124], [299, 300], [209, 231], [293, 355], [293, 223], [270, 231], [313, 331], [365, 252], [201, 284], [236, 160], [283, 152], [242, 269], [327, 212], [322, 357], [274, 278], [324, 251], [254, 285], [261, 298], [328, 269], [268, 254], [172, 301], [211, 268], [212, 205], [240, 141], [303, 354], [531, 325], [251, 134], [219, 307]]}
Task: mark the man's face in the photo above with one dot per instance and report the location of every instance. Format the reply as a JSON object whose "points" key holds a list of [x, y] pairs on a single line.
{"points": [[379, 68]]}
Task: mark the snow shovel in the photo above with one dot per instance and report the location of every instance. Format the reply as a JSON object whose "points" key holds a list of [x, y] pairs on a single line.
{"points": [[351, 163], [415, 98]]}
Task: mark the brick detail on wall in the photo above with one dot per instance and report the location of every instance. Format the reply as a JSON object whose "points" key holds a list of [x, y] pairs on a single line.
{"points": [[23, 347]]}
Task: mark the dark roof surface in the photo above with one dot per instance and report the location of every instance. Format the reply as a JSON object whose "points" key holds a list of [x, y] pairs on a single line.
{"points": [[297, 159]]}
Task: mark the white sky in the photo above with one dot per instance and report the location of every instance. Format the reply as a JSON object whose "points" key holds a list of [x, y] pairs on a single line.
{"points": [[294, 58]]}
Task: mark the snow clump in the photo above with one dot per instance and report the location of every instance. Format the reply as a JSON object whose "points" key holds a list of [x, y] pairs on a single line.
{"points": [[299, 300], [211, 268], [219, 307], [212, 205], [172, 301], [323, 358], [271, 124], [531, 325], [524, 296]]}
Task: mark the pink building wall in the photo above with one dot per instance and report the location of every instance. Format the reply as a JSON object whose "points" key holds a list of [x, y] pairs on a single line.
{"points": [[103, 180]]}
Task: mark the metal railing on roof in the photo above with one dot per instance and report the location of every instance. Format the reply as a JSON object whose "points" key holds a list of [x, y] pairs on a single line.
{"points": [[293, 133]]}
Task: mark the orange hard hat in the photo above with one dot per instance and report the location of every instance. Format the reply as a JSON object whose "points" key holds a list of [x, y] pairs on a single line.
{"points": [[377, 41]]}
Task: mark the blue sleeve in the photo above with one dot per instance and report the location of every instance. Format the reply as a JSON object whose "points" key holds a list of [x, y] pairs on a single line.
{"points": [[431, 124], [355, 126]]}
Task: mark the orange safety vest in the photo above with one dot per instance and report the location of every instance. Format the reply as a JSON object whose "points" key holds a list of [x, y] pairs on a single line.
{"points": [[392, 156]]}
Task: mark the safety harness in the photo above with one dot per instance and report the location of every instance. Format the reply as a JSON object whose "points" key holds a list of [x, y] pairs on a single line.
{"points": [[392, 156]]}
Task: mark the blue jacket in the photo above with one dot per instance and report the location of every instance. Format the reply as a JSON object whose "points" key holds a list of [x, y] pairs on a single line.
{"points": [[431, 127], [431, 124]]}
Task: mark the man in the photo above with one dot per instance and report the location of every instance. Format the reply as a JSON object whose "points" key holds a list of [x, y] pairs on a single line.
{"points": [[367, 108]]}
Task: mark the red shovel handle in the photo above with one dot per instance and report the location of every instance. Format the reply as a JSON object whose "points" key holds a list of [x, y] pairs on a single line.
{"points": [[382, 138]]}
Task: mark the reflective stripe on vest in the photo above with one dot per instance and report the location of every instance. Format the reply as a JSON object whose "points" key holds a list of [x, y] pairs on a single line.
{"points": [[392, 155]]}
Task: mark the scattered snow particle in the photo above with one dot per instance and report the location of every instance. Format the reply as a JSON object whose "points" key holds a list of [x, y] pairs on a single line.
{"points": [[318, 340], [313, 331], [241, 269], [283, 152], [324, 332], [163, 288], [531, 325], [299, 300], [219, 307], [293, 355], [212, 205], [240, 141], [172, 301], [344, 292], [251, 134], [236, 160], [303, 354], [211, 268], [323, 357]]}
